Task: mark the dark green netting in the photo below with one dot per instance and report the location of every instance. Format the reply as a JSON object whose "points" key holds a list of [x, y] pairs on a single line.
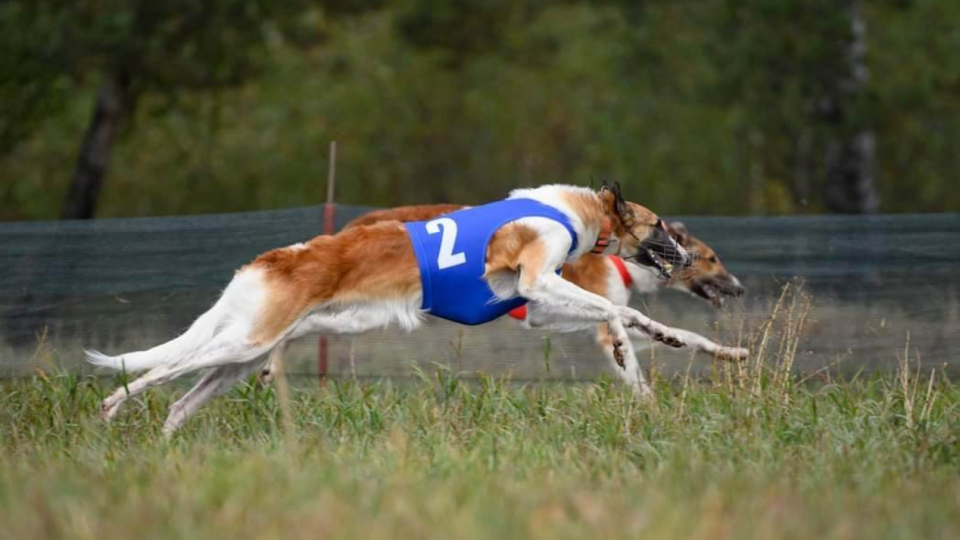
{"points": [[126, 284]]}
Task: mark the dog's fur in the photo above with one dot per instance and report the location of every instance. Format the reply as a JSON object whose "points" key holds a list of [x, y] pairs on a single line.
{"points": [[706, 278], [367, 277]]}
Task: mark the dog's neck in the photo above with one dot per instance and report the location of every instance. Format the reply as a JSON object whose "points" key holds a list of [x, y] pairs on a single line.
{"points": [[587, 211]]}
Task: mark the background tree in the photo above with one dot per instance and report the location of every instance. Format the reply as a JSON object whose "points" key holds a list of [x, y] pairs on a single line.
{"points": [[135, 48], [799, 70], [763, 106]]}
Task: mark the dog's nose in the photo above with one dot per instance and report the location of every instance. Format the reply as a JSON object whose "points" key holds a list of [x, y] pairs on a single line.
{"points": [[738, 288]]}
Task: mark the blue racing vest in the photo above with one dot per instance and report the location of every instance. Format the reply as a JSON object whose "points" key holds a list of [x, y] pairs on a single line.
{"points": [[451, 252]]}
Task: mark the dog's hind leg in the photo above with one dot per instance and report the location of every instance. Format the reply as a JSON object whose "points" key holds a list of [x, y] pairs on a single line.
{"points": [[228, 348], [155, 377], [214, 383]]}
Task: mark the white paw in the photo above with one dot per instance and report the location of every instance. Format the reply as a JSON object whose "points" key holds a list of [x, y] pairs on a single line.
{"points": [[266, 376], [661, 333], [109, 408], [619, 335], [732, 354]]}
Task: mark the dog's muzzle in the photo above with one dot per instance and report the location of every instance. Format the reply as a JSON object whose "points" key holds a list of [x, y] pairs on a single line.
{"points": [[714, 288], [662, 252]]}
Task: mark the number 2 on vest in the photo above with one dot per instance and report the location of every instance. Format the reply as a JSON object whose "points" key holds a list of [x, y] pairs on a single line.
{"points": [[447, 257]]}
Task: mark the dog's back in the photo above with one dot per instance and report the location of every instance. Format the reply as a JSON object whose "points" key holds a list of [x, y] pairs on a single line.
{"points": [[404, 214]]}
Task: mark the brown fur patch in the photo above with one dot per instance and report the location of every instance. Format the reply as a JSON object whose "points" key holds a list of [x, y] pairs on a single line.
{"points": [[643, 215], [588, 206], [705, 262], [361, 264], [632, 218], [404, 214], [505, 251], [638, 220], [589, 272]]}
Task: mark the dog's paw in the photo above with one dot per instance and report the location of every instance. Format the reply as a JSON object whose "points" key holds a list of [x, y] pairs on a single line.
{"points": [[618, 339], [109, 409], [666, 336], [643, 392], [618, 355], [732, 354]]}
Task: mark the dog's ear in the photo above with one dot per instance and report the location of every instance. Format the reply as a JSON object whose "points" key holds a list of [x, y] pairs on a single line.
{"points": [[619, 203], [679, 233]]}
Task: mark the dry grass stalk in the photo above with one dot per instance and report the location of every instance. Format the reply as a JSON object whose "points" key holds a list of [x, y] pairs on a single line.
{"points": [[283, 394]]}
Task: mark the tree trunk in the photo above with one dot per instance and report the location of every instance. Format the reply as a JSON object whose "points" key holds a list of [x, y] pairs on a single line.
{"points": [[850, 154], [851, 188], [110, 108]]}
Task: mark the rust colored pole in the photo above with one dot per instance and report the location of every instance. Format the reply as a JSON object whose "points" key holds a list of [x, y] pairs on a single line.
{"points": [[328, 214]]}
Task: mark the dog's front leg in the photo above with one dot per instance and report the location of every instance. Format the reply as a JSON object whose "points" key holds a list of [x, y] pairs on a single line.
{"points": [[651, 328], [554, 313], [629, 372], [701, 344], [704, 345], [557, 319], [557, 296]]}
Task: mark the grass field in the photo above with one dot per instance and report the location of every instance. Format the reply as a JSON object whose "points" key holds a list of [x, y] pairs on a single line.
{"points": [[750, 453]]}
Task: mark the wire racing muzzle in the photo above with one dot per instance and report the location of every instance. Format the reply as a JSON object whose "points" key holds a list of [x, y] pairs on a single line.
{"points": [[662, 252]]}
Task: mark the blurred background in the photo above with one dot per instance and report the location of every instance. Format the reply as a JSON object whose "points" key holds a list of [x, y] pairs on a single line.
{"points": [[115, 108]]}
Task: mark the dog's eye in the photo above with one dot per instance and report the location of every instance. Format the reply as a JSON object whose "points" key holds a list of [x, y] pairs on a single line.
{"points": [[713, 258]]}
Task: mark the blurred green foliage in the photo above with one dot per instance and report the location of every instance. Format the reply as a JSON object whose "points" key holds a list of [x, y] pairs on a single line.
{"points": [[697, 107]]}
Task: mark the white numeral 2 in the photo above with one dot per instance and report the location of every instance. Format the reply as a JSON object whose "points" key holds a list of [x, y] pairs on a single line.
{"points": [[447, 257]]}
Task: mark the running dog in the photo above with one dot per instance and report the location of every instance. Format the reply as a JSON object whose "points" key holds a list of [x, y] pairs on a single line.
{"points": [[609, 276], [470, 266]]}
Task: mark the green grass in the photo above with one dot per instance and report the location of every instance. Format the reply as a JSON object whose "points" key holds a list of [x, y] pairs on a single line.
{"points": [[747, 454]]}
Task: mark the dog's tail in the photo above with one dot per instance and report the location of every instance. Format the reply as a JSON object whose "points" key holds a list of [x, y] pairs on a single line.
{"points": [[185, 345], [234, 303]]}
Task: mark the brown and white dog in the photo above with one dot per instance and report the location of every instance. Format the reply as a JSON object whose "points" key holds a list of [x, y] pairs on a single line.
{"points": [[367, 277], [614, 279]]}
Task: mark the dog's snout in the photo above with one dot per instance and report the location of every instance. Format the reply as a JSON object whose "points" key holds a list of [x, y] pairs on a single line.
{"points": [[683, 255]]}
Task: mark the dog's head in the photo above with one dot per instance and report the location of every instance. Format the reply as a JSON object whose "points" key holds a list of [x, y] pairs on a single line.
{"points": [[706, 277], [641, 235]]}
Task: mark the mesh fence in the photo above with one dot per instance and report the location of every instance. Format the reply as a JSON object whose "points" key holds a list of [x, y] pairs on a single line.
{"points": [[127, 284]]}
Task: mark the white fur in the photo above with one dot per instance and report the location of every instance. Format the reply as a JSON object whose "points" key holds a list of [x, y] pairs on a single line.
{"points": [[645, 280], [231, 314], [359, 318], [616, 291]]}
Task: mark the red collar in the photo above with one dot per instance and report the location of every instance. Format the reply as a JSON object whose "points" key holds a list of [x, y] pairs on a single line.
{"points": [[603, 239], [622, 268]]}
